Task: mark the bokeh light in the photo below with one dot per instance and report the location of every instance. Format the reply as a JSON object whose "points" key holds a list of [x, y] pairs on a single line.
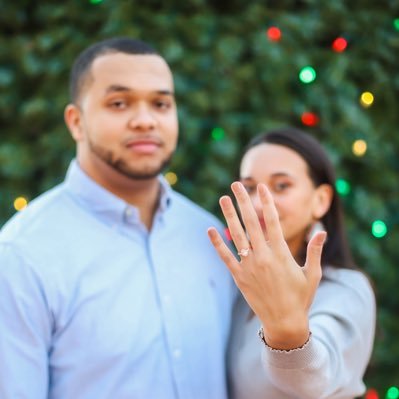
{"points": [[171, 178], [366, 99], [396, 23], [392, 393], [227, 234], [359, 147], [20, 203], [274, 34], [307, 75], [371, 394], [343, 187], [218, 133], [339, 44], [379, 230], [309, 119]]}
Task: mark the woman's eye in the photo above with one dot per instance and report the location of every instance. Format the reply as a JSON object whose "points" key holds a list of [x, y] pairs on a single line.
{"points": [[280, 186], [250, 189]]}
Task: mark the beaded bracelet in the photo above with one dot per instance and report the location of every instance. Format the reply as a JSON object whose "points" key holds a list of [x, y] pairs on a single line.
{"points": [[261, 335]]}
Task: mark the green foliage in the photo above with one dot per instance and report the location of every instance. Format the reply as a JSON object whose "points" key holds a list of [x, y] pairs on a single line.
{"points": [[228, 75]]}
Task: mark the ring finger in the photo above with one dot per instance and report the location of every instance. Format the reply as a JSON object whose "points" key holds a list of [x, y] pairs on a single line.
{"points": [[236, 230]]}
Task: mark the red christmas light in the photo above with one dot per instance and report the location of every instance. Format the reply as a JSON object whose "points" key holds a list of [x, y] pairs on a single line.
{"points": [[227, 234], [339, 44], [309, 119], [274, 34], [371, 394]]}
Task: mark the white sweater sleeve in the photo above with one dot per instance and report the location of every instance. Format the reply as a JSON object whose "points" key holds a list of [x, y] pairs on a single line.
{"points": [[331, 365]]}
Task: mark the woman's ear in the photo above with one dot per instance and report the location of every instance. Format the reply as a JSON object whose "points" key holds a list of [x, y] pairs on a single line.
{"points": [[322, 200], [73, 120]]}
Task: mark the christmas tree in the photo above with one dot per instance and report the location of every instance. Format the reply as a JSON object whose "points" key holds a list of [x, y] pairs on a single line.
{"points": [[240, 68]]}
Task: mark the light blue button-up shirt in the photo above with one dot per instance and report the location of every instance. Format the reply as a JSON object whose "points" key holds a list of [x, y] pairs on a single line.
{"points": [[93, 306]]}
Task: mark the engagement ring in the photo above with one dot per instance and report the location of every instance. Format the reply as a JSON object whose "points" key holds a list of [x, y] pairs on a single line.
{"points": [[243, 252]]}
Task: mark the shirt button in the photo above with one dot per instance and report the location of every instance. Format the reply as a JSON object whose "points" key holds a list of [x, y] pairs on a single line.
{"points": [[176, 353]]}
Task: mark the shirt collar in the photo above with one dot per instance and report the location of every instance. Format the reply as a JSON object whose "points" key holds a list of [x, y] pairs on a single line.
{"points": [[102, 202]]}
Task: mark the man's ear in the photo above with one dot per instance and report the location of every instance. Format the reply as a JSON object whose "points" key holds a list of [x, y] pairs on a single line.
{"points": [[322, 200], [73, 120]]}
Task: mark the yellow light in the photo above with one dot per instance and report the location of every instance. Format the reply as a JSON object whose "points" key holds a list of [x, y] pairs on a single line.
{"points": [[20, 203], [359, 148], [171, 178], [366, 99]]}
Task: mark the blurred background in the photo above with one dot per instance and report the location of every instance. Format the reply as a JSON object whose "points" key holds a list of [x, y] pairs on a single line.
{"points": [[240, 67]]}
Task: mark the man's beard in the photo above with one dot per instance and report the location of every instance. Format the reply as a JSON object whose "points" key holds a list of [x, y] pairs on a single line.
{"points": [[122, 167]]}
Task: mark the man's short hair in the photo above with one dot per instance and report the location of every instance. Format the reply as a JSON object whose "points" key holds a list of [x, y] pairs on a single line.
{"points": [[83, 62]]}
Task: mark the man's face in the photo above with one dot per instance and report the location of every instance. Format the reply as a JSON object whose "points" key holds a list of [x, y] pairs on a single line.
{"points": [[126, 119]]}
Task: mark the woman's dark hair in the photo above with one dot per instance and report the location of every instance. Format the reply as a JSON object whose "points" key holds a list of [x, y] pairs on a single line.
{"points": [[83, 62], [321, 171]]}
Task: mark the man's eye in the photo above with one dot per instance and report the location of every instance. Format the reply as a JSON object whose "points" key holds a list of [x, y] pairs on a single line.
{"points": [[118, 104], [162, 104]]}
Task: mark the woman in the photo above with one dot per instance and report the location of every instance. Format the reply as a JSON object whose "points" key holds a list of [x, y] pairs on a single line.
{"points": [[315, 309]]}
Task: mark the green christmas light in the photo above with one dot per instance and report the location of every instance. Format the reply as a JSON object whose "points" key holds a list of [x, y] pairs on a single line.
{"points": [[392, 393], [307, 75], [342, 186], [396, 23], [378, 230], [218, 133], [96, 1]]}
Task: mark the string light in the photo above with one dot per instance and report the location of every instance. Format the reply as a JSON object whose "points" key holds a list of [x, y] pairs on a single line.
{"points": [[339, 44], [392, 393], [309, 119], [396, 23], [171, 178], [96, 1], [359, 147], [379, 230], [366, 99], [307, 74], [274, 34], [218, 133], [342, 186], [20, 203]]}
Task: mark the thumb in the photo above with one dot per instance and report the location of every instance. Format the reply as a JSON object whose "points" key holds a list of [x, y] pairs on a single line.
{"points": [[312, 267]]}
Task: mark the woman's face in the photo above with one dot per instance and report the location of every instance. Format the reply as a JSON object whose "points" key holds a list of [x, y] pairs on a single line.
{"points": [[299, 203]]}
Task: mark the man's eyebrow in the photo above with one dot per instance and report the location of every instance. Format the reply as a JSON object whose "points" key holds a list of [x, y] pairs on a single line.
{"points": [[120, 88]]}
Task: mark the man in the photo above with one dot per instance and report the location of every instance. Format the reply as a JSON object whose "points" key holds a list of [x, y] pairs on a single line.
{"points": [[109, 285]]}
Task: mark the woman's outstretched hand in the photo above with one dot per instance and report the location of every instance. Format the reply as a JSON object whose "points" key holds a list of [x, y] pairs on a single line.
{"points": [[278, 290]]}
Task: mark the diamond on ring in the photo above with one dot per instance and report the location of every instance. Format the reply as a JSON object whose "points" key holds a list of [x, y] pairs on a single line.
{"points": [[243, 252]]}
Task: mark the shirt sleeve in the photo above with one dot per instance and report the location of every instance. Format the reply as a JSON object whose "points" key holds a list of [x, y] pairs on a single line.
{"points": [[331, 365], [25, 329]]}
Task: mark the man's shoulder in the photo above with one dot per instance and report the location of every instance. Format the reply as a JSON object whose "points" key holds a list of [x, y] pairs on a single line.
{"points": [[40, 212], [187, 207]]}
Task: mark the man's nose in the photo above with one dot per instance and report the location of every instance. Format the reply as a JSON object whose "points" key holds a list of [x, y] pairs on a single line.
{"points": [[142, 118]]}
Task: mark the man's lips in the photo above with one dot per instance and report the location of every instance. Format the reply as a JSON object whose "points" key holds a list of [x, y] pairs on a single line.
{"points": [[143, 146]]}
